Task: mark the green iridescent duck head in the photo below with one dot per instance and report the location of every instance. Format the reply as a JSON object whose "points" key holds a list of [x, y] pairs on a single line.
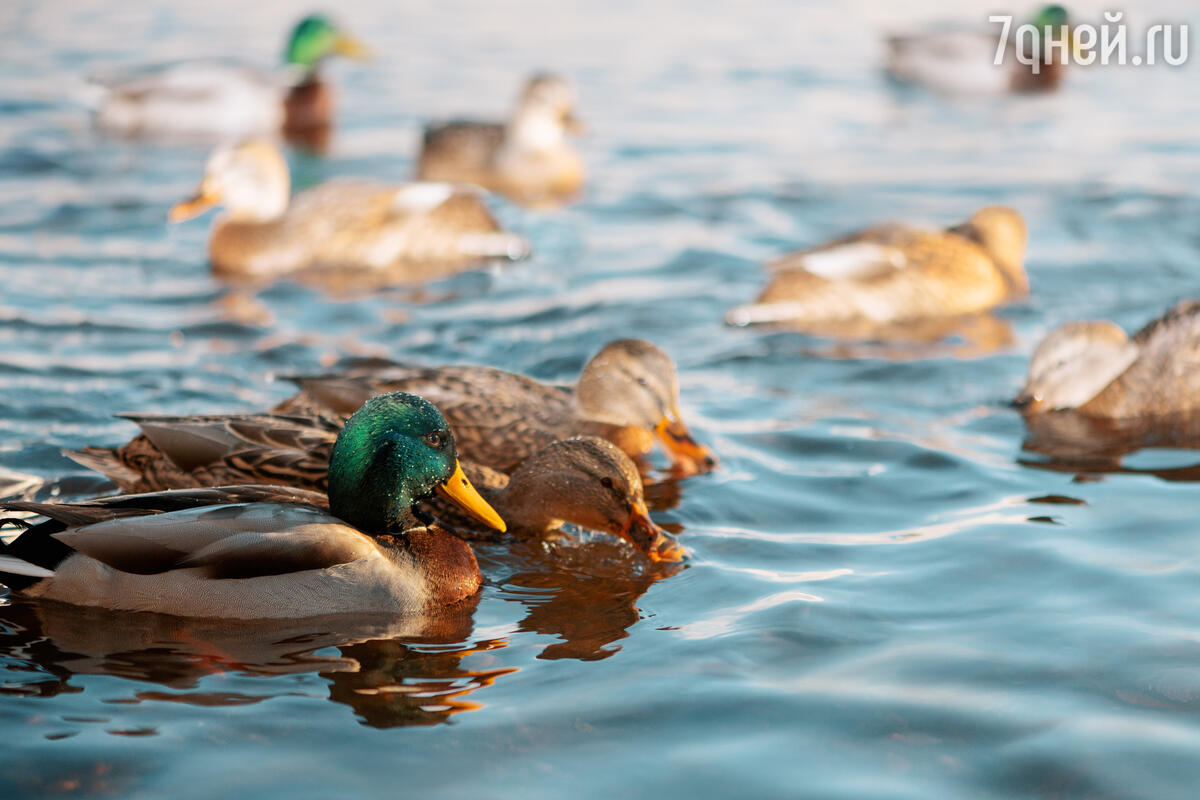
{"points": [[315, 38], [1054, 24], [393, 452]]}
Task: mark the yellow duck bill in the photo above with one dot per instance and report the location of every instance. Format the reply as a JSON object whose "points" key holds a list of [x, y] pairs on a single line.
{"points": [[459, 491], [351, 47]]}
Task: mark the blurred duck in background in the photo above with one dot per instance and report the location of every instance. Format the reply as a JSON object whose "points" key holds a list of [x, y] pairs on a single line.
{"points": [[363, 231], [527, 158], [628, 393], [216, 99], [895, 275], [964, 61], [585, 481], [1096, 370]]}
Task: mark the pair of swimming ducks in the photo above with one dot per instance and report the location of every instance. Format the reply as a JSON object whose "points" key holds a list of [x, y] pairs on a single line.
{"points": [[889, 274], [411, 232], [883, 278], [525, 158], [307, 511]]}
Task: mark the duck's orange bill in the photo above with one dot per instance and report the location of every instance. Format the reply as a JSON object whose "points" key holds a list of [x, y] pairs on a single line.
{"points": [[459, 491], [689, 456], [350, 47], [642, 532], [204, 199]]}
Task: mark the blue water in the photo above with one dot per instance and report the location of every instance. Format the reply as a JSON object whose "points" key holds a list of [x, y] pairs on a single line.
{"points": [[880, 601]]}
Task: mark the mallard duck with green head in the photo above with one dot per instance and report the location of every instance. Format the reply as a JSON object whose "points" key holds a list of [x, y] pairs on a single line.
{"points": [[584, 481], [222, 99], [270, 552], [628, 393], [360, 230], [964, 61], [527, 158]]}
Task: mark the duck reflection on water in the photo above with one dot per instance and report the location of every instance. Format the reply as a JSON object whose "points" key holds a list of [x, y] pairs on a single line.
{"points": [[1071, 442], [391, 671], [585, 593]]}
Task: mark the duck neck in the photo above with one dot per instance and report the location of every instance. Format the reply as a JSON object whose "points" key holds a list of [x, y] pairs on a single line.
{"points": [[445, 561], [302, 74], [1044, 72], [534, 131], [308, 114], [1047, 78], [307, 89], [1007, 257], [260, 205], [369, 505], [634, 440], [1013, 274]]}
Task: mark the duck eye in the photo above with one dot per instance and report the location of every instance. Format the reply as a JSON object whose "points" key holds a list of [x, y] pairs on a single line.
{"points": [[435, 439], [606, 482], [642, 382]]}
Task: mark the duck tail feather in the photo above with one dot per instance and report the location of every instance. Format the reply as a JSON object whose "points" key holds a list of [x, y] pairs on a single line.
{"points": [[33, 555], [105, 461]]}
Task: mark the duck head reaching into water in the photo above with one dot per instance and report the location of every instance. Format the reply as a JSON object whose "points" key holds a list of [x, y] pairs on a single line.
{"points": [[589, 482], [1074, 363], [1094, 368]]}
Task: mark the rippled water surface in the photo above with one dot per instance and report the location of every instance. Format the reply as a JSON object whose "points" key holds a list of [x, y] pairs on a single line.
{"points": [[886, 597]]}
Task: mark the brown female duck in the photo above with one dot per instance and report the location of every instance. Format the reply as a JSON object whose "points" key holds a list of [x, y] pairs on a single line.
{"points": [[528, 158], [895, 274], [627, 393], [393, 234], [1095, 369]]}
